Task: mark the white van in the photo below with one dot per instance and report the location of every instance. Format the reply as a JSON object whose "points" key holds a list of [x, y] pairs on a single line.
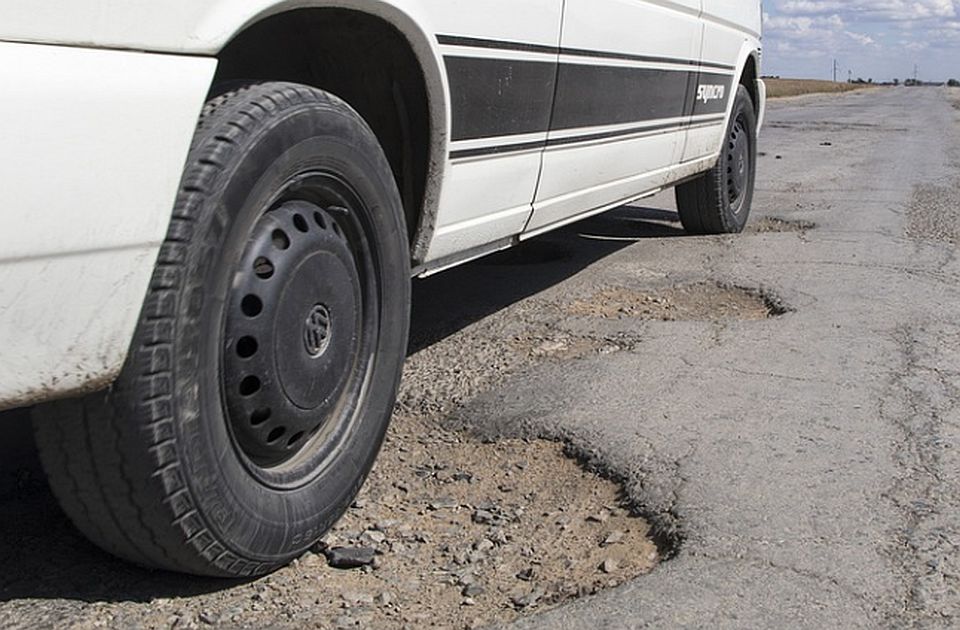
{"points": [[212, 211]]}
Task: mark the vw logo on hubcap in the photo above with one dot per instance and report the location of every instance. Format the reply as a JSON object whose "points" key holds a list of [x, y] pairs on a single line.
{"points": [[316, 331]]}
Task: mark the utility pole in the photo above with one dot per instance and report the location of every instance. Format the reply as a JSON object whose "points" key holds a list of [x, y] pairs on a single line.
{"points": [[916, 73], [849, 76], [835, 68]]}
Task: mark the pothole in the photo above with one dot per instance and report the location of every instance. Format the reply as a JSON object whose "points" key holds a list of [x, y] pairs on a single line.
{"points": [[696, 302], [767, 225], [534, 252], [467, 533]]}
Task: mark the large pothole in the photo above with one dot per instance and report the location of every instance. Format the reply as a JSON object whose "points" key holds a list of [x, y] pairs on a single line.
{"points": [[468, 533], [703, 301]]}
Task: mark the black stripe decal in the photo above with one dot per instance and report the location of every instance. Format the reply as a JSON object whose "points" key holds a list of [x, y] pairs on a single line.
{"points": [[598, 54], [500, 97], [476, 42], [553, 142], [518, 147], [497, 97], [581, 139], [593, 96]]}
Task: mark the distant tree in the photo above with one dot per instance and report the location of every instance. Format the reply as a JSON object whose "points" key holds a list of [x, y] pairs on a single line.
{"points": [[896, 81], [953, 83], [869, 80]]}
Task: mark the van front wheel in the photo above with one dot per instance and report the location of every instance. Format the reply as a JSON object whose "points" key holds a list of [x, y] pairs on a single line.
{"points": [[262, 375]]}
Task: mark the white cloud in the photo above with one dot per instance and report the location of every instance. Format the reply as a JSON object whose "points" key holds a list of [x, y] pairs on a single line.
{"points": [[882, 35], [863, 40], [873, 10]]}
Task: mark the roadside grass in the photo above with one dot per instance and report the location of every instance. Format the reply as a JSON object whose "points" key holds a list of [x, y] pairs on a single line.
{"points": [[779, 88]]}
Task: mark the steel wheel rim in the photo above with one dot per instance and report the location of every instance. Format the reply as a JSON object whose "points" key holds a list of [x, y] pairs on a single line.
{"points": [[330, 209]]}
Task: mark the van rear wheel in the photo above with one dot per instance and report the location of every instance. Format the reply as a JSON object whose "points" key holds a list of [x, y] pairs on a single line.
{"points": [[264, 369], [719, 201]]}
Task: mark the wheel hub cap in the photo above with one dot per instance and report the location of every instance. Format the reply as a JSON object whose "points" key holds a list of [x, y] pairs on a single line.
{"points": [[292, 332]]}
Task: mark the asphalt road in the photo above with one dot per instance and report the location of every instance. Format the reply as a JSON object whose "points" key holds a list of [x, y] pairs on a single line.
{"points": [[807, 466], [803, 470]]}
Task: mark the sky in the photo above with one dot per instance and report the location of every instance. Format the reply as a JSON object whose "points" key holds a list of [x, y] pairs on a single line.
{"points": [[878, 39]]}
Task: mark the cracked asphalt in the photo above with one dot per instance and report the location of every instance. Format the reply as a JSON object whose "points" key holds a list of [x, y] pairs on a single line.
{"points": [[804, 469], [800, 469]]}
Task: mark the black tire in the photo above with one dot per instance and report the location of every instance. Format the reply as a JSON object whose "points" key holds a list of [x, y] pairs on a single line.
{"points": [[719, 201], [287, 197]]}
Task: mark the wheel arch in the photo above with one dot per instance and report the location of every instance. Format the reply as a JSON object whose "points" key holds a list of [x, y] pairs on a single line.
{"points": [[747, 74], [748, 79], [379, 58]]}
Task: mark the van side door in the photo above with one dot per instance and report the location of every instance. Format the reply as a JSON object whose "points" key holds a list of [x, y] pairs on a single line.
{"points": [[501, 62], [622, 105]]}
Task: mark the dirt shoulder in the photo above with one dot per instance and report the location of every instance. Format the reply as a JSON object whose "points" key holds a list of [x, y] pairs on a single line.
{"points": [[787, 88]]}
